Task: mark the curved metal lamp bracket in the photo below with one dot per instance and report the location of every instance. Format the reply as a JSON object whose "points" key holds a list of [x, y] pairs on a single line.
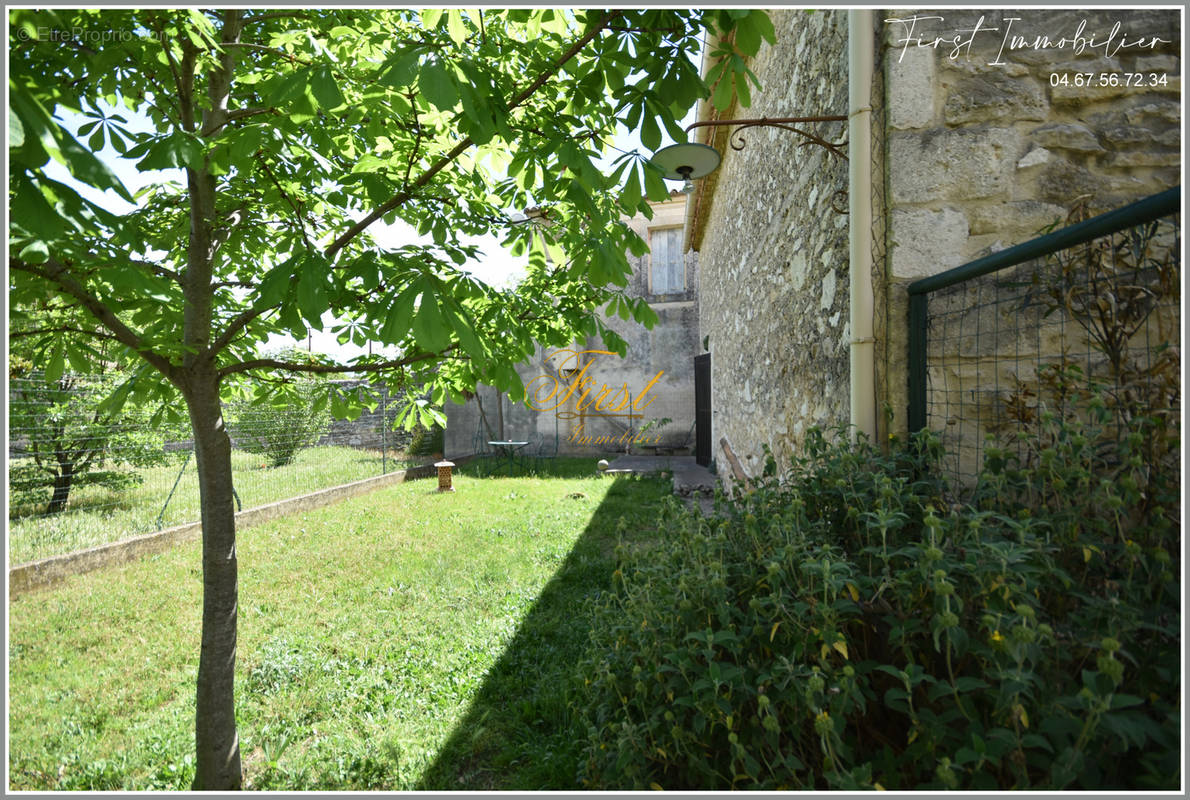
{"points": [[737, 142]]}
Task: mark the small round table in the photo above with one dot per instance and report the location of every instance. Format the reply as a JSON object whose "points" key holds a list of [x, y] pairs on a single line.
{"points": [[508, 451]]}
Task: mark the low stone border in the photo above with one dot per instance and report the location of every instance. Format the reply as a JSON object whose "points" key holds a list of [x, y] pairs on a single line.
{"points": [[50, 571]]}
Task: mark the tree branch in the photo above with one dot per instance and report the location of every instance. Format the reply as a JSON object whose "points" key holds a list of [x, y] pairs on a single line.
{"points": [[232, 116], [276, 15], [329, 369], [23, 334], [297, 213], [261, 48], [58, 274], [237, 324], [404, 195]]}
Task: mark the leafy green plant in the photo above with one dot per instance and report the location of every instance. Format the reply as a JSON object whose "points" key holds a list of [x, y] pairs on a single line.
{"points": [[426, 441], [72, 439], [849, 627], [654, 425], [279, 426]]}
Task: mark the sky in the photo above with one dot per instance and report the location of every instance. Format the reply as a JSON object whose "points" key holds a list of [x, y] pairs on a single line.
{"points": [[495, 265]]}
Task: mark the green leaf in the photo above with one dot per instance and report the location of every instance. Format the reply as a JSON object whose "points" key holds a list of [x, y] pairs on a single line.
{"points": [[430, 18], [455, 26], [175, 150], [429, 328], [721, 98], [645, 315], [650, 134], [57, 363], [326, 90], [437, 83], [400, 314], [400, 71], [312, 289], [31, 211], [747, 35], [630, 196], [16, 131], [655, 187], [762, 22], [465, 331], [275, 284], [741, 88], [36, 252], [97, 140]]}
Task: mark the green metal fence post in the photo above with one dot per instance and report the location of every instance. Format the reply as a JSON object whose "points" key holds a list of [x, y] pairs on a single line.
{"points": [[918, 320]]}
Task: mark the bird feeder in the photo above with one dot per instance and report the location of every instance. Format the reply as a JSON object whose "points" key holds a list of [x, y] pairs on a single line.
{"points": [[444, 468]]}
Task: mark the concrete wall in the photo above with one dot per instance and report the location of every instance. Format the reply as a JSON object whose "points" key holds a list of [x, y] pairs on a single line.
{"points": [[48, 572], [985, 147], [773, 253], [668, 349]]}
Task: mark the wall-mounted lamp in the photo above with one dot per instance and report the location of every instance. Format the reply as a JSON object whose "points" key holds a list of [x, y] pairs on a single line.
{"points": [[688, 161]]}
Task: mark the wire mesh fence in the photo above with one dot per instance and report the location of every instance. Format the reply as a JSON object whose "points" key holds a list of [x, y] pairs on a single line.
{"points": [[1004, 349], [81, 476]]}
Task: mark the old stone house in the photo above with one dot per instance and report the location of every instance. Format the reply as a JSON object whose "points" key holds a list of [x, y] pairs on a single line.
{"points": [[659, 362], [967, 131]]}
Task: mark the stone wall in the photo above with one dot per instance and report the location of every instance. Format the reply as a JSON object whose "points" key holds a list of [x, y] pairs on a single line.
{"points": [[987, 145], [667, 351], [773, 254], [368, 430]]}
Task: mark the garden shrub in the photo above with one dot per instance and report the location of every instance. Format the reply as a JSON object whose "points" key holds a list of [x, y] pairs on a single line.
{"points": [[427, 441], [854, 627], [66, 438], [280, 425]]}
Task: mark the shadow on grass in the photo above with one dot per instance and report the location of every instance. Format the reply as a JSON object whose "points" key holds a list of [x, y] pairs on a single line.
{"points": [[520, 731]]}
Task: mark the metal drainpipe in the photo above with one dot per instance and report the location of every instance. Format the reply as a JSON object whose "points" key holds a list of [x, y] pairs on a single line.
{"points": [[860, 48]]}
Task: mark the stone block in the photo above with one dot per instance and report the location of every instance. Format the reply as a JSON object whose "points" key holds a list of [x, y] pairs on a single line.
{"points": [[961, 165], [1034, 158], [1067, 136], [1059, 181], [1015, 221], [1158, 63], [926, 242], [829, 284], [994, 96], [1145, 158], [1158, 109], [910, 89]]}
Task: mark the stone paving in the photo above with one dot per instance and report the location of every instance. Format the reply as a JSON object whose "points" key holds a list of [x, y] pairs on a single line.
{"points": [[692, 482]]}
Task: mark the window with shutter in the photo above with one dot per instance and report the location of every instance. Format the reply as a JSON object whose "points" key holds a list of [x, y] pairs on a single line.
{"points": [[666, 263]]}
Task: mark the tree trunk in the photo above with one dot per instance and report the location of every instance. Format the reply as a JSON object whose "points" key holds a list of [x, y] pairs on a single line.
{"points": [[62, 482], [217, 747]]}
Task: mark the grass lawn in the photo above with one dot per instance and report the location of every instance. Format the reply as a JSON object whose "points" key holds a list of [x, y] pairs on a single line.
{"points": [[97, 515], [399, 640]]}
